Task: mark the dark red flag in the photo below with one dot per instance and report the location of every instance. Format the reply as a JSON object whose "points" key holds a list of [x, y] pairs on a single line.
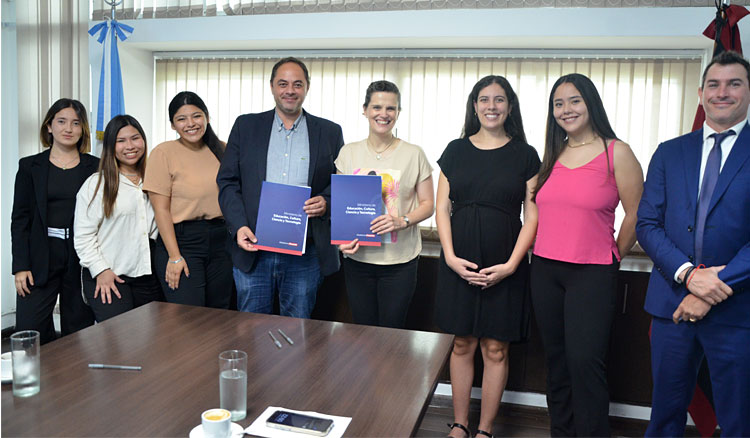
{"points": [[725, 27]]}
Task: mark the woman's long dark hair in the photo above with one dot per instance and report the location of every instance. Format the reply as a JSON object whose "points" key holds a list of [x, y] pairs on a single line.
{"points": [[513, 124], [109, 167], [556, 138], [209, 137]]}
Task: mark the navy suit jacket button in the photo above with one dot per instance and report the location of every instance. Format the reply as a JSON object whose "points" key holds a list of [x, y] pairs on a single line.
{"points": [[690, 228]]}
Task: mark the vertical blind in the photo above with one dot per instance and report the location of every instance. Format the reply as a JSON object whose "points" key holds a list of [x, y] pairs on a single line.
{"points": [[53, 62], [647, 100]]}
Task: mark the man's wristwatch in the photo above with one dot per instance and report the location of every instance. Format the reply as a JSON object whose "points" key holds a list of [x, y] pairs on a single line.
{"points": [[405, 219]]}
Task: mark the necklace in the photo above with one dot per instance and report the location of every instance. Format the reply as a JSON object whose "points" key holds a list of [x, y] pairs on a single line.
{"points": [[133, 177], [65, 165], [379, 155], [584, 143]]}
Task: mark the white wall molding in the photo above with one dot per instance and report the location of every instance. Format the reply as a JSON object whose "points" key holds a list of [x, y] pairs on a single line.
{"points": [[535, 399]]}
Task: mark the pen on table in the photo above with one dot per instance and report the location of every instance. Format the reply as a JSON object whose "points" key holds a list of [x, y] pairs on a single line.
{"points": [[115, 367], [288, 339], [275, 341]]}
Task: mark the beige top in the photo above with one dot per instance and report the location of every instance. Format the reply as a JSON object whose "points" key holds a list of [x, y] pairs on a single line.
{"points": [[188, 177], [401, 170]]}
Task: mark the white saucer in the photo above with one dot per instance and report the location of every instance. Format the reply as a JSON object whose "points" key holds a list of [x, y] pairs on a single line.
{"points": [[7, 368], [197, 431]]}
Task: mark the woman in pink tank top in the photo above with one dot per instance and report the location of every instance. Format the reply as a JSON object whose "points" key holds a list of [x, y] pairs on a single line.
{"points": [[585, 173]]}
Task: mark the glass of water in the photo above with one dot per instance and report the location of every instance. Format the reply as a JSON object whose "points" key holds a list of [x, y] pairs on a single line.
{"points": [[233, 383], [24, 348]]}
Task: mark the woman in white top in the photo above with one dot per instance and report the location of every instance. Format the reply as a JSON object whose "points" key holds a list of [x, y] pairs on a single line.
{"points": [[114, 225], [380, 281]]}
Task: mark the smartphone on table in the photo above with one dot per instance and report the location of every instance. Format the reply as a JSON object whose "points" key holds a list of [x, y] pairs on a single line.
{"points": [[300, 423]]}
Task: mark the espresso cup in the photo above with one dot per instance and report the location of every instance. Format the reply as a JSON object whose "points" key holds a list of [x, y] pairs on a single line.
{"points": [[6, 365], [217, 423]]}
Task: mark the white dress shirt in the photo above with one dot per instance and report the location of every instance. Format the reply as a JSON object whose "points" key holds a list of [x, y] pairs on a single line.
{"points": [[121, 241], [726, 148]]}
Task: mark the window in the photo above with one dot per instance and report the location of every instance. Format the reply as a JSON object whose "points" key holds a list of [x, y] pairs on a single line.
{"points": [[648, 100]]}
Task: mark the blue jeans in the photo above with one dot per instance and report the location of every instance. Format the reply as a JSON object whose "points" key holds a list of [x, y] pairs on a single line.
{"points": [[295, 278]]}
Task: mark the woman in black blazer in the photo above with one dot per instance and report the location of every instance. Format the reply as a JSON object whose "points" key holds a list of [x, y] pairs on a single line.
{"points": [[44, 261]]}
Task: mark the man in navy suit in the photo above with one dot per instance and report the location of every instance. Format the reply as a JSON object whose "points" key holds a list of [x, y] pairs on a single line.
{"points": [[285, 145], [694, 223]]}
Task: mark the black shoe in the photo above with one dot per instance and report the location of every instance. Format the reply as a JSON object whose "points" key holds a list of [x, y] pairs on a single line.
{"points": [[462, 427]]}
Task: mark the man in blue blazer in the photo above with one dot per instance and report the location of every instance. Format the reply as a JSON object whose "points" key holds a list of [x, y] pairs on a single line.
{"points": [[694, 223], [285, 145]]}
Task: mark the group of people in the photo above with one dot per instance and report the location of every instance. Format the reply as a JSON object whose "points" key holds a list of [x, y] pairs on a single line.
{"points": [[489, 178], [112, 234]]}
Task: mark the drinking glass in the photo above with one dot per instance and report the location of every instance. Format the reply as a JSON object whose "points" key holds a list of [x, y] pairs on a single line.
{"points": [[24, 347], [233, 383]]}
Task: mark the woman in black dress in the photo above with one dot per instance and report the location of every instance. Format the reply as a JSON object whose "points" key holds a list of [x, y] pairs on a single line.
{"points": [[44, 261], [486, 176]]}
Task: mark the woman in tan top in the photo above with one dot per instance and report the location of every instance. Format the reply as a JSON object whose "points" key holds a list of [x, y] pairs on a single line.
{"points": [[380, 281], [181, 181]]}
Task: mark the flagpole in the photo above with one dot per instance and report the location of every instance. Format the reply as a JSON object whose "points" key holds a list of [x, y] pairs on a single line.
{"points": [[113, 4]]}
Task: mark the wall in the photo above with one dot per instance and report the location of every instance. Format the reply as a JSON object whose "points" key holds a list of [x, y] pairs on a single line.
{"points": [[553, 30], [9, 153]]}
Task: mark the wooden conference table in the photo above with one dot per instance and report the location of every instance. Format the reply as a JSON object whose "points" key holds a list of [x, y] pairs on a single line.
{"points": [[382, 378]]}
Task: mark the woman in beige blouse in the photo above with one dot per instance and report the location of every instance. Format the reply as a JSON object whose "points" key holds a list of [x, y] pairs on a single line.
{"points": [[380, 281], [190, 258]]}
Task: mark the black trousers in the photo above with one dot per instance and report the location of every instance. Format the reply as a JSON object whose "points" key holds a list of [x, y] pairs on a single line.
{"points": [[136, 291], [203, 245], [34, 311], [380, 294], [574, 306]]}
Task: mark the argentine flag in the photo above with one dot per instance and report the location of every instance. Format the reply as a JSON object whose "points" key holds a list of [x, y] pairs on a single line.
{"points": [[111, 101]]}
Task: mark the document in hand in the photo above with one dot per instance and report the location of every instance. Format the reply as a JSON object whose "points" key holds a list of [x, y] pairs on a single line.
{"points": [[355, 201], [282, 223]]}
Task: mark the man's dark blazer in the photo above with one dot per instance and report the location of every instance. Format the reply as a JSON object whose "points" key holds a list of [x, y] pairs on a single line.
{"points": [[28, 225], [243, 170], [666, 225]]}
